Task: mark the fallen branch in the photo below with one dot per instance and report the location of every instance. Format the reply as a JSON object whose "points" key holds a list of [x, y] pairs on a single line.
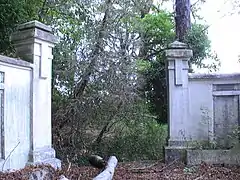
{"points": [[107, 174]]}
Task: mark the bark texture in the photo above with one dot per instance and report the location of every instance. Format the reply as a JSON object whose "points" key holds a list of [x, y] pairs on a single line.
{"points": [[182, 18]]}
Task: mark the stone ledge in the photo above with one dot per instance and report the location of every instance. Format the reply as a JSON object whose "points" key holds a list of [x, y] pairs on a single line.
{"points": [[210, 76], [34, 24], [215, 157], [179, 54], [16, 62]]}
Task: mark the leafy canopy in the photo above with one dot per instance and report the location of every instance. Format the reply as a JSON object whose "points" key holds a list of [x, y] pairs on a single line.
{"points": [[12, 13]]}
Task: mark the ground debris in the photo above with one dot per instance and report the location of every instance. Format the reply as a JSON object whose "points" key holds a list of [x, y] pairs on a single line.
{"points": [[133, 170]]}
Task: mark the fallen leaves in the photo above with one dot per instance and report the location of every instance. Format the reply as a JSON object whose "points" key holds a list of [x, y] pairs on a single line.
{"points": [[178, 172], [135, 170]]}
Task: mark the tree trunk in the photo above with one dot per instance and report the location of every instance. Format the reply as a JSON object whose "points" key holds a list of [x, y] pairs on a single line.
{"points": [[182, 18]]}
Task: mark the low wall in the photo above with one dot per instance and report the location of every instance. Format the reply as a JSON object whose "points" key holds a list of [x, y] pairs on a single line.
{"points": [[213, 105], [214, 157]]}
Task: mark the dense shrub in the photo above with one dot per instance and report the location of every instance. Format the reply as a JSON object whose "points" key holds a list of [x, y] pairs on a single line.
{"points": [[139, 141]]}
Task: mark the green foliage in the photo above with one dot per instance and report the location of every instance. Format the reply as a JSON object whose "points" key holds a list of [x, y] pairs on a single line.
{"points": [[143, 65], [203, 145], [12, 13], [155, 90], [158, 27], [157, 31], [139, 141], [198, 41]]}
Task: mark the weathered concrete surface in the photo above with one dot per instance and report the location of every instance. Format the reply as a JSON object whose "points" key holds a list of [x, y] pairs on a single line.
{"points": [[34, 42], [25, 99], [213, 102], [202, 107], [175, 154], [15, 87], [177, 57], [36, 30], [177, 60], [216, 157], [211, 76]]}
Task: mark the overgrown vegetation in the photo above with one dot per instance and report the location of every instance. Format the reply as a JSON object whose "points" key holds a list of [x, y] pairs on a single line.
{"points": [[109, 85], [141, 141], [12, 13]]}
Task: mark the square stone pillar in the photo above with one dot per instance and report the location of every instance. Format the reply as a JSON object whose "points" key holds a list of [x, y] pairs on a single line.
{"points": [[177, 57], [34, 42]]}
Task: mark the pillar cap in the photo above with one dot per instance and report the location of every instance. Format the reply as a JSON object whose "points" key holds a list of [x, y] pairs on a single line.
{"points": [[177, 45], [178, 51], [33, 30], [34, 24]]}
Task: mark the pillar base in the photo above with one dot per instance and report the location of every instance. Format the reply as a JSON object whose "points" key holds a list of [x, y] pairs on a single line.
{"points": [[175, 153], [44, 155], [177, 150]]}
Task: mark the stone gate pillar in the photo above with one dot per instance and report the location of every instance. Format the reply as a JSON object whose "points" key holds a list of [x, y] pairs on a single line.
{"points": [[34, 42], [177, 56]]}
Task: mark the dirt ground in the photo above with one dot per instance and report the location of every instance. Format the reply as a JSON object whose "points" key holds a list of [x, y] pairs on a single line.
{"points": [[140, 171], [177, 171]]}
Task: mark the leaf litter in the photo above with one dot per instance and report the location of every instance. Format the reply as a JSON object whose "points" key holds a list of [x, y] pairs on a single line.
{"points": [[135, 171]]}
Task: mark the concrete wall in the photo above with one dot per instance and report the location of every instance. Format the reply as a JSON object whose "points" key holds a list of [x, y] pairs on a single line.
{"points": [[15, 111], [213, 105], [201, 106]]}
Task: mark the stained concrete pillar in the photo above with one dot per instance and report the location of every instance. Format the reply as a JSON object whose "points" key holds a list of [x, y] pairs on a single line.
{"points": [[34, 42], [177, 56]]}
